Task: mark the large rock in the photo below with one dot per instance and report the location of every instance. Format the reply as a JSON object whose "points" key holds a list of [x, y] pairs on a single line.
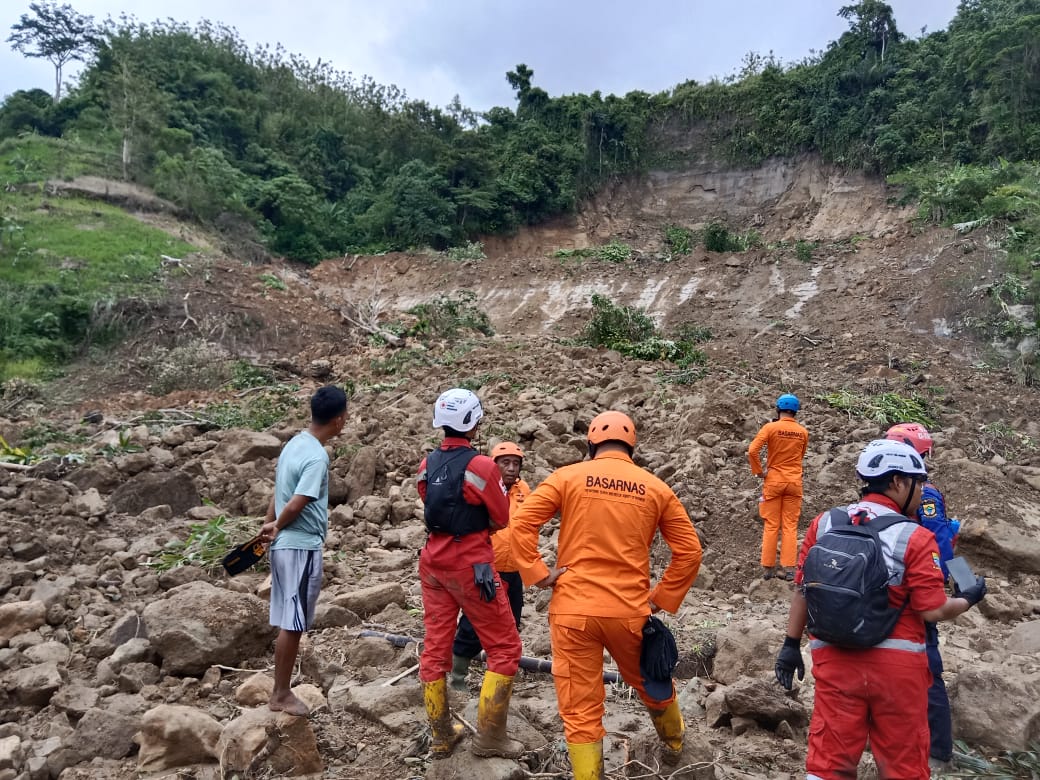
{"points": [[103, 733], [997, 708], [260, 739], [173, 735], [175, 489], [765, 702], [241, 446], [34, 685], [20, 616], [394, 707], [745, 648], [1025, 638], [1015, 544], [371, 600], [361, 476], [198, 625]]}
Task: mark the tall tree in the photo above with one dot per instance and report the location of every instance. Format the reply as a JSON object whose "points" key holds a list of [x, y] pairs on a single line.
{"points": [[57, 33]]}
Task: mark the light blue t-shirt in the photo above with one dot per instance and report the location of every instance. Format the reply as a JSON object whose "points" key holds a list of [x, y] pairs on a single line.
{"points": [[303, 469]]}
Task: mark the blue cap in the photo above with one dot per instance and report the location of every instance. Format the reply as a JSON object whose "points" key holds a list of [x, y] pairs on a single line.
{"points": [[788, 403], [660, 690]]}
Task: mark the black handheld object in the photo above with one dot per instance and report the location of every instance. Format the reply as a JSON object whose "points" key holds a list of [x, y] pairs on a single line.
{"points": [[484, 579], [244, 556], [961, 572]]}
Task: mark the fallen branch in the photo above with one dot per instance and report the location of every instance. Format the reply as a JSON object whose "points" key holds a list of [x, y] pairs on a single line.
{"points": [[401, 676], [526, 662], [14, 466], [187, 315], [391, 338]]}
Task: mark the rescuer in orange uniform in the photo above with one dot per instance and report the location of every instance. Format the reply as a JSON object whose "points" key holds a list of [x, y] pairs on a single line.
{"points": [[464, 502], [509, 458], [786, 442], [610, 509]]}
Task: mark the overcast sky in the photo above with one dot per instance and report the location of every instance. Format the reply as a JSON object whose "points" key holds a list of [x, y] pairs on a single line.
{"points": [[435, 49]]}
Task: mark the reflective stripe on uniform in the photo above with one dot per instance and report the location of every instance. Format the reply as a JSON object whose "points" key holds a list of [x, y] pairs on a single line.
{"points": [[889, 644], [476, 480]]}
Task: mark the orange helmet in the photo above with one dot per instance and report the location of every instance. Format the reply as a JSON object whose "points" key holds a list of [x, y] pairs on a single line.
{"points": [[914, 434], [506, 448], [612, 426]]}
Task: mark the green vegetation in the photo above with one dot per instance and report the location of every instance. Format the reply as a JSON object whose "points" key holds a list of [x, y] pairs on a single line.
{"points": [[999, 438], [803, 250], [313, 162], [678, 239], [1008, 765], [446, 316], [257, 411], [68, 268], [613, 252], [883, 408], [718, 238], [206, 545], [471, 250], [630, 331], [1005, 197], [320, 162], [272, 282]]}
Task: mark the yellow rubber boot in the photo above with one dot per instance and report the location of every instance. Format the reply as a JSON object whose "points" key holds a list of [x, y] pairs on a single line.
{"points": [[586, 760], [492, 712], [444, 734], [670, 728]]}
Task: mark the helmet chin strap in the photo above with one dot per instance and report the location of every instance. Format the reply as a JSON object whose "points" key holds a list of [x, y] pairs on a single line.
{"points": [[909, 496]]}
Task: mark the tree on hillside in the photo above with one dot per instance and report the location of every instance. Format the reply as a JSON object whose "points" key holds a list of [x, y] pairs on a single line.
{"points": [[874, 22], [57, 33]]}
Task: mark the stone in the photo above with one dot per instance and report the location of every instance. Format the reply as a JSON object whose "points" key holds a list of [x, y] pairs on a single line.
{"points": [[198, 625], [154, 488], [242, 446], [745, 648], [174, 735], [33, 686], [288, 743], [20, 616], [371, 600], [103, 733]]}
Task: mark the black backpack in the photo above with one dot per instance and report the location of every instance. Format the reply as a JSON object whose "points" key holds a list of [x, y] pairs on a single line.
{"points": [[845, 583], [445, 510]]}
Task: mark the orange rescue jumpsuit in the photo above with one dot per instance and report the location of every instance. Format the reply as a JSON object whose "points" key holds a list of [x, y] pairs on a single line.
{"points": [[610, 509], [786, 442]]}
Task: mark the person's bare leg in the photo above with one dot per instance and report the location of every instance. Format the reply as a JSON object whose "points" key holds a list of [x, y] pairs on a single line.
{"points": [[286, 646]]}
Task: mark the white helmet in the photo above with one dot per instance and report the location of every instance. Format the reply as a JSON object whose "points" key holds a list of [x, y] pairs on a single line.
{"points": [[884, 456], [457, 408]]}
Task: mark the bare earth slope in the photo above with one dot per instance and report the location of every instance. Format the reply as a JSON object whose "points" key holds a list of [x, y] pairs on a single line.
{"points": [[876, 310]]}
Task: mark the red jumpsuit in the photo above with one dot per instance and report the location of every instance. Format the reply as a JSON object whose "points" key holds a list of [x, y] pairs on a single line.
{"points": [[610, 509], [880, 693], [446, 575], [785, 441]]}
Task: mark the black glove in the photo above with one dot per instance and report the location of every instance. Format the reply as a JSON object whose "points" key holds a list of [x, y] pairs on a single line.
{"points": [[788, 661], [484, 578], [974, 594]]}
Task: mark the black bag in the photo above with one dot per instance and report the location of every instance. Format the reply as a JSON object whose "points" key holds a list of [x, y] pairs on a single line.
{"points": [[446, 510], [845, 583], [658, 654], [244, 556]]}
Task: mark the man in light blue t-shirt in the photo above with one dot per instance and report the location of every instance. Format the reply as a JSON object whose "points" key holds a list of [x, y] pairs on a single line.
{"points": [[296, 524]]}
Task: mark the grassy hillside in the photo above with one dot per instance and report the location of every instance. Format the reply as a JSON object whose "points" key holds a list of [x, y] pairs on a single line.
{"points": [[68, 265]]}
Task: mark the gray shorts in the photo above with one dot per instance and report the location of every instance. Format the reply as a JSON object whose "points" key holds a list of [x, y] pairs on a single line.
{"points": [[295, 584]]}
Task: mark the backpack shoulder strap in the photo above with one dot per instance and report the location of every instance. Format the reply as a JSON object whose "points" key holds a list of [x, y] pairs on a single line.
{"points": [[837, 516], [881, 522]]}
